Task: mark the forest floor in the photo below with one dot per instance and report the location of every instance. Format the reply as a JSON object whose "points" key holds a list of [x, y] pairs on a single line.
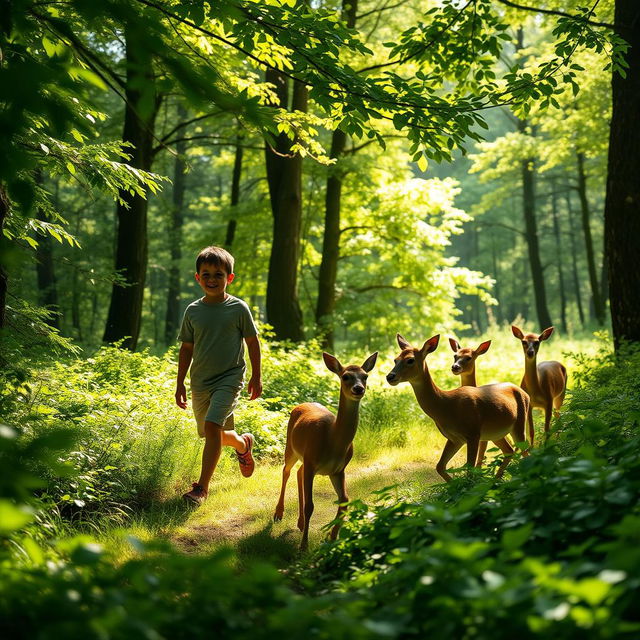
{"points": [[239, 511]]}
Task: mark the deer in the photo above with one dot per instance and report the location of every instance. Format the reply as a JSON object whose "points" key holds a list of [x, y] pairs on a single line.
{"points": [[464, 361], [466, 415], [546, 383], [323, 442], [464, 365]]}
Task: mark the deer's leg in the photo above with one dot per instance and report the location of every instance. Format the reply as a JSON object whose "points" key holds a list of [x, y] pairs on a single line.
{"points": [[307, 476], [450, 450], [482, 449], [507, 450], [289, 461], [301, 497], [548, 412], [339, 484], [532, 431], [473, 444]]}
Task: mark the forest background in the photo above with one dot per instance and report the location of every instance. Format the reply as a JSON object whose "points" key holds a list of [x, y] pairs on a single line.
{"points": [[374, 167]]}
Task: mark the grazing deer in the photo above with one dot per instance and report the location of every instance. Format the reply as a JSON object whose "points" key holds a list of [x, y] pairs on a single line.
{"points": [[464, 365], [546, 383], [324, 442], [465, 415]]}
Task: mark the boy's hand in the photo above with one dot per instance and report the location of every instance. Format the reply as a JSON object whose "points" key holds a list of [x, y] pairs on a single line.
{"points": [[254, 388], [181, 396]]}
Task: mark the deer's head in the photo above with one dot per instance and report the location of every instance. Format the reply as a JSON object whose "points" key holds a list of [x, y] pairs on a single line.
{"points": [[464, 360], [531, 341], [409, 365], [353, 379]]}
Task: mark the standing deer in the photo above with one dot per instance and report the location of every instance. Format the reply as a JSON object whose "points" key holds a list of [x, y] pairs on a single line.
{"points": [[465, 415], [464, 361], [464, 365], [546, 383], [323, 442]]}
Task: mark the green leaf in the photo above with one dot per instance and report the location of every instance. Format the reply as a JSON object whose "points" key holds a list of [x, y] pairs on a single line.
{"points": [[13, 517]]}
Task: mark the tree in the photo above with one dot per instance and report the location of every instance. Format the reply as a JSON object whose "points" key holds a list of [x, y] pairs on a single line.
{"points": [[284, 175], [142, 103], [622, 205]]}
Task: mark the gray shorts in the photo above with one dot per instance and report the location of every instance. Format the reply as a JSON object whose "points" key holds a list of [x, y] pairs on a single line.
{"points": [[215, 406]]}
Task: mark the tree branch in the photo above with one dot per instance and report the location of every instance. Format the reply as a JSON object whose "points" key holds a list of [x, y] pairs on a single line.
{"points": [[553, 12]]}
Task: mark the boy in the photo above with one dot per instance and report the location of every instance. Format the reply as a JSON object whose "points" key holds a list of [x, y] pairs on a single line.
{"points": [[212, 331]]}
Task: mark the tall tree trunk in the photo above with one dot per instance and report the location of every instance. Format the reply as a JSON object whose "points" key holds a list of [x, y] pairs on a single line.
{"points": [[4, 275], [284, 175], [598, 307], [125, 309], [76, 323], [530, 223], [559, 256], [574, 259], [172, 315], [45, 269], [496, 274], [235, 193], [622, 203], [326, 302], [328, 273], [531, 234]]}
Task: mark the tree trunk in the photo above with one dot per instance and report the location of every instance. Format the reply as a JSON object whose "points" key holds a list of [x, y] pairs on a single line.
{"points": [[559, 257], [284, 175], [622, 203], [499, 316], [574, 260], [598, 307], [326, 302], [172, 315], [4, 276], [530, 222], [45, 270], [76, 323], [235, 193], [125, 309], [531, 234]]}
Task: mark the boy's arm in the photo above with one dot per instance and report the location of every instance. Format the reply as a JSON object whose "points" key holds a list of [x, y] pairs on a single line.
{"points": [[184, 360], [255, 382]]}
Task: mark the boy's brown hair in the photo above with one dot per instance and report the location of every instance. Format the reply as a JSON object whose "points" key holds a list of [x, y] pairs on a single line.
{"points": [[216, 256]]}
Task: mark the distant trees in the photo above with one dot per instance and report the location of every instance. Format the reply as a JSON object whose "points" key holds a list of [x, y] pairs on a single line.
{"points": [[431, 84]]}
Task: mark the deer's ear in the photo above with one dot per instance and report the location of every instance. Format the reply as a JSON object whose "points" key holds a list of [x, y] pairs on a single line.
{"points": [[516, 332], [370, 362], [333, 364], [430, 345], [546, 334], [483, 348], [455, 345], [402, 342]]}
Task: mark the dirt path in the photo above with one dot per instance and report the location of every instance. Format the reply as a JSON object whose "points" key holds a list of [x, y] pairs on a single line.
{"points": [[240, 514]]}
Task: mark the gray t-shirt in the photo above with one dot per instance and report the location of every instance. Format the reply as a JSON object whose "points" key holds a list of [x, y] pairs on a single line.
{"points": [[216, 331]]}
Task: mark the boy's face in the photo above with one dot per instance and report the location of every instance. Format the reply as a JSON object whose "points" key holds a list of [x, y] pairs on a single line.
{"points": [[213, 280]]}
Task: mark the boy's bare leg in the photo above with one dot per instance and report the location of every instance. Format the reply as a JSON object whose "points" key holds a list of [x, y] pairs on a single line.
{"points": [[211, 452], [232, 439]]}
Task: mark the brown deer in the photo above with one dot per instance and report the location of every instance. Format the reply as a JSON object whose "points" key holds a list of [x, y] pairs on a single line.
{"points": [[546, 383], [464, 365], [465, 415], [323, 442]]}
